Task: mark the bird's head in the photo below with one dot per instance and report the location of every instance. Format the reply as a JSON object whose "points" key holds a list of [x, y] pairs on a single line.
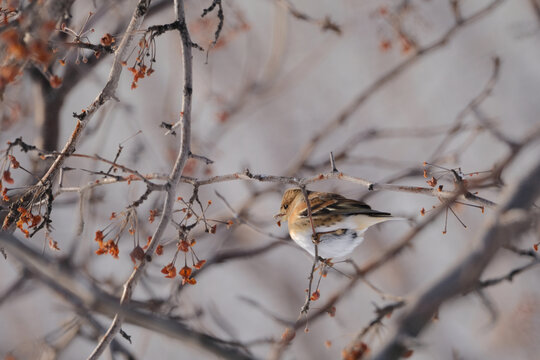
{"points": [[286, 204]]}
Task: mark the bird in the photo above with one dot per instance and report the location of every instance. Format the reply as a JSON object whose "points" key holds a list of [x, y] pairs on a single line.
{"points": [[339, 222]]}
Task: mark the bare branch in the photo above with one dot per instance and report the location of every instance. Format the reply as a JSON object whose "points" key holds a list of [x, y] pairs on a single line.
{"points": [[326, 24], [381, 313], [371, 186], [507, 223], [349, 110], [509, 276], [105, 95], [174, 177], [82, 296]]}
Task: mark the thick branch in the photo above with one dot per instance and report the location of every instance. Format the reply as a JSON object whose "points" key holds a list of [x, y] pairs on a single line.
{"points": [[67, 284], [506, 223]]}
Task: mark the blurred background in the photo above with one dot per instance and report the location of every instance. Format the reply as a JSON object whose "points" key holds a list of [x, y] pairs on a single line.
{"points": [[280, 72]]}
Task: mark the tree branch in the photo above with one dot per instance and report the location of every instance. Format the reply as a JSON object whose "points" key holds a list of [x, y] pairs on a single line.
{"points": [[173, 181], [508, 222], [67, 283], [372, 89], [106, 94]]}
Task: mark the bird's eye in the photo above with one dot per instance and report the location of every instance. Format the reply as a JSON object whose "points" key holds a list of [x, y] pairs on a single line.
{"points": [[285, 206]]}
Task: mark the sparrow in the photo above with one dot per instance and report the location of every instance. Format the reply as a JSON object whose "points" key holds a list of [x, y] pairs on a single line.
{"points": [[339, 222]]}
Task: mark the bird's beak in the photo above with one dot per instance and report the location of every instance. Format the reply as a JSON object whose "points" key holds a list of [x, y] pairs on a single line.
{"points": [[278, 218]]}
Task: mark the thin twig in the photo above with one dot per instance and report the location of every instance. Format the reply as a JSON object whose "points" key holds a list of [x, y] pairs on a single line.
{"points": [[509, 276], [315, 239], [106, 94], [378, 84]]}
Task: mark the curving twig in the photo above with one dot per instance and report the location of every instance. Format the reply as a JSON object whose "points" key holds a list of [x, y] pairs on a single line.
{"points": [[174, 178]]}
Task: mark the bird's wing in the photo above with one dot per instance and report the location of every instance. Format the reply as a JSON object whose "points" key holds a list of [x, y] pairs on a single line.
{"points": [[324, 204], [353, 207], [319, 202]]}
